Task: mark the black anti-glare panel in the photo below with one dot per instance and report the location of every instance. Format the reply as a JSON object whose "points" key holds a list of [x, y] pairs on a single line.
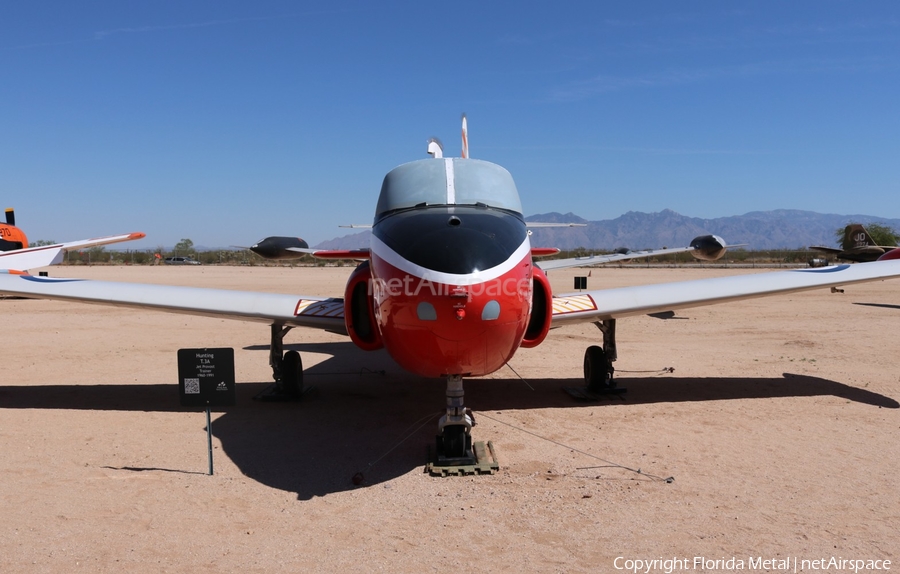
{"points": [[206, 377]]}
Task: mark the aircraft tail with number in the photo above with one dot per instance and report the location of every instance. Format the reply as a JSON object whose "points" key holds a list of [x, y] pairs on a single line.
{"points": [[856, 236]]}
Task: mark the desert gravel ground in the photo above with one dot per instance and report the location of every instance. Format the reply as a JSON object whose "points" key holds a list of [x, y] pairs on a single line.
{"points": [[779, 426]]}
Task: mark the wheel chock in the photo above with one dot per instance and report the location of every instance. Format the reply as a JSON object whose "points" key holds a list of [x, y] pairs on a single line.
{"points": [[485, 462]]}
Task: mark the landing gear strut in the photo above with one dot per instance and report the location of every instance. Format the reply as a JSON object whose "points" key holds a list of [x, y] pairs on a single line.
{"points": [[454, 444], [287, 369]]}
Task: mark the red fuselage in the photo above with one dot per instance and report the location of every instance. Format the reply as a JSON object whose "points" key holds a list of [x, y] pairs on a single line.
{"points": [[451, 288]]}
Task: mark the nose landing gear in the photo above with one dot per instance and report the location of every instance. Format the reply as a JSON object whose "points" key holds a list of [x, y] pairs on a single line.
{"points": [[456, 454], [455, 440]]}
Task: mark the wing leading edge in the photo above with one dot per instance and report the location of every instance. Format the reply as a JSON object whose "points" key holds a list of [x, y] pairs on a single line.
{"points": [[328, 313], [622, 302]]}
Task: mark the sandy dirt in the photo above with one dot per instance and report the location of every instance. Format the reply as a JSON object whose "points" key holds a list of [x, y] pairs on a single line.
{"points": [[779, 426]]}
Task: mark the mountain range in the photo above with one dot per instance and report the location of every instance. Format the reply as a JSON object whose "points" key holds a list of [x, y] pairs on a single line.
{"points": [[778, 229]]}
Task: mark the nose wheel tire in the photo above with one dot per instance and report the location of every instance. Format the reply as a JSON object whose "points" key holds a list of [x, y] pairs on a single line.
{"points": [[455, 442]]}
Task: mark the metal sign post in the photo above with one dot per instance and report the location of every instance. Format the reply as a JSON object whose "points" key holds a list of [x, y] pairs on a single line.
{"points": [[206, 379], [209, 441]]}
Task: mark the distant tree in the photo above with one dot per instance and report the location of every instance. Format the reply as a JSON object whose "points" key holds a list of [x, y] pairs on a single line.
{"points": [[41, 242], [880, 234], [184, 247]]}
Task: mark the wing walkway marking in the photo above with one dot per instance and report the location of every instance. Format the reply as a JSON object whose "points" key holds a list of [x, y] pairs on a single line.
{"points": [[573, 304], [313, 308]]}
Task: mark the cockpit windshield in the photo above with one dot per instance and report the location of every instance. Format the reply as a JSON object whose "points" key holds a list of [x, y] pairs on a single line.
{"points": [[447, 181]]}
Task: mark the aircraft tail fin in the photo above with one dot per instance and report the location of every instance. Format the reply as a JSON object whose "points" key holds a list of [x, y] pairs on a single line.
{"points": [[856, 236], [10, 216]]}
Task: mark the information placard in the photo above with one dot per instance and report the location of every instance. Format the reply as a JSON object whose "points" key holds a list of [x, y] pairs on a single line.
{"points": [[206, 377]]}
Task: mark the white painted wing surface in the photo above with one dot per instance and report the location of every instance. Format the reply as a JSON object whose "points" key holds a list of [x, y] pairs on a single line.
{"points": [[296, 310], [34, 257], [644, 299], [597, 259]]}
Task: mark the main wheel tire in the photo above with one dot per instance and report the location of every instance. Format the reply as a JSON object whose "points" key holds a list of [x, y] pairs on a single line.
{"points": [[292, 374], [597, 369]]}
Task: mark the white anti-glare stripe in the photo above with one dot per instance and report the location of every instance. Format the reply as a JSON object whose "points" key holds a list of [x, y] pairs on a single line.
{"points": [[381, 250], [451, 189]]}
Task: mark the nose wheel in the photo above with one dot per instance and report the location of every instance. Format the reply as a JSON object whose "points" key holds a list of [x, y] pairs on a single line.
{"points": [[455, 442]]}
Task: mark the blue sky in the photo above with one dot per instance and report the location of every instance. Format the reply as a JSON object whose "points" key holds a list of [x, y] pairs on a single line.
{"points": [[225, 122]]}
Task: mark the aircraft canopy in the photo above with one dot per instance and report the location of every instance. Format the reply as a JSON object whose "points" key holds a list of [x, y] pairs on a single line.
{"points": [[447, 181]]}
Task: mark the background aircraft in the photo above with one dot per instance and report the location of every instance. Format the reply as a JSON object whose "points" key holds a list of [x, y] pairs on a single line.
{"points": [[16, 255], [279, 247], [11, 237], [857, 246], [449, 286]]}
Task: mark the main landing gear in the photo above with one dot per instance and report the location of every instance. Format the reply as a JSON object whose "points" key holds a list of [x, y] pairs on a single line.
{"points": [[598, 365], [287, 370]]}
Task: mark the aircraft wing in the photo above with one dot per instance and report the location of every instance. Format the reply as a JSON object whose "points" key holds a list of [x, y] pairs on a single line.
{"points": [[596, 259], [590, 306], [542, 224], [359, 254], [824, 249], [534, 224], [294, 310], [32, 257]]}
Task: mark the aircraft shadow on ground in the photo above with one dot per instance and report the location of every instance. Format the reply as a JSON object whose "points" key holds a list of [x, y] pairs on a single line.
{"points": [[882, 305], [314, 447]]}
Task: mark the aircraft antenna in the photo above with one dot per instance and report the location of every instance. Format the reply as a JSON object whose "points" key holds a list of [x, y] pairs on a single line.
{"points": [[435, 148], [465, 137]]}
